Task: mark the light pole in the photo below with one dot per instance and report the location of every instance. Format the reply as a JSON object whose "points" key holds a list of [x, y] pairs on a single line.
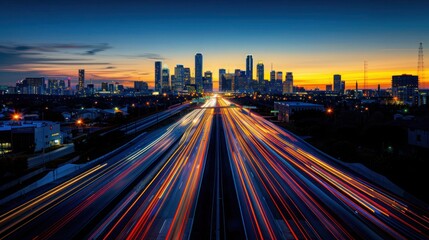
{"points": [[79, 122], [15, 117]]}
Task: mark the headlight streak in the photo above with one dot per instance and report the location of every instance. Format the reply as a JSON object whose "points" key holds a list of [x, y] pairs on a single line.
{"points": [[254, 135], [174, 186], [285, 189]]}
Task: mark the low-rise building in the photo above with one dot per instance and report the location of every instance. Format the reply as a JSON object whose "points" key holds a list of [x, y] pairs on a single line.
{"points": [[287, 109], [32, 136]]}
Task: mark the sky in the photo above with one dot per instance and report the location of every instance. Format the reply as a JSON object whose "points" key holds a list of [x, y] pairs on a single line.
{"points": [[121, 40]]}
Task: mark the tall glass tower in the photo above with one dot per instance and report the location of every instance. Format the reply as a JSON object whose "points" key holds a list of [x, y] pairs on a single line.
{"points": [[249, 68], [199, 71], [81, 82], [158, 76]]}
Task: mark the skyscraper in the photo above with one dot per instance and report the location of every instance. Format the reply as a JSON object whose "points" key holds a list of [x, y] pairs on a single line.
{"points": [[288, 84], [165, 81], [337, 83], [222, 72], [177, 85], [279, 83], [62, 85], [53, 87], [158, 76], [260, 73], [199, 71], [249, 69], [104, 87], [208, 81], [273, 81], [140, 86], [31, 86], [240, 81], [227, 82], [186, 76], [406, 88], [81, 82]]}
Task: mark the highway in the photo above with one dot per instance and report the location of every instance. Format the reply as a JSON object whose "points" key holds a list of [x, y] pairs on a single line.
{"points": [[138, 125], [288, 190], [164, 207], [68, 209], [220, 172]]}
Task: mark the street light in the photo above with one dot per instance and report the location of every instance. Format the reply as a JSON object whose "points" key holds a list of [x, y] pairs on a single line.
{"points": [[16, 116]]}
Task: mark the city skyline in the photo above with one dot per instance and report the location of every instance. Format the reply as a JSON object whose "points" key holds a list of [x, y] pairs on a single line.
{"points": [[121, 42]]}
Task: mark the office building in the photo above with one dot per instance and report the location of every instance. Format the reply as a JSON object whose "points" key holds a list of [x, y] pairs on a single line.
{"points": [[111, 88], [53, 87], [141, 86], [337, 83], [178, 84], [249, 69], [260, 73], [228, 82], [199, 72], [81, 82], [104, 87], [288, 83], [240, 81], [221, 73], [272, 82], [187, 76], [208, 82], [165, 80], [278, 85], [405, 88], [158, 76], [62, 85], [90, 90], [31, 86]]}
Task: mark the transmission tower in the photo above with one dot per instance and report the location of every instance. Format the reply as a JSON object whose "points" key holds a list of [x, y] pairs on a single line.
{"points": [[365, 66], [420, 67]]}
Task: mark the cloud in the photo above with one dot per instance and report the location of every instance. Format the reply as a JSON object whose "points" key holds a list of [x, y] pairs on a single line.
{"points": [[75, 63], [152, 56], [10, 60], [144, 73], [89, 49], [97, 49], [15, 55], [110, 67]]}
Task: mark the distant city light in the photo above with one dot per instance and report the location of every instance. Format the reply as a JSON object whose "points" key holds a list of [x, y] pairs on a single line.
{"points": [[329, 110], [79, 121]]}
